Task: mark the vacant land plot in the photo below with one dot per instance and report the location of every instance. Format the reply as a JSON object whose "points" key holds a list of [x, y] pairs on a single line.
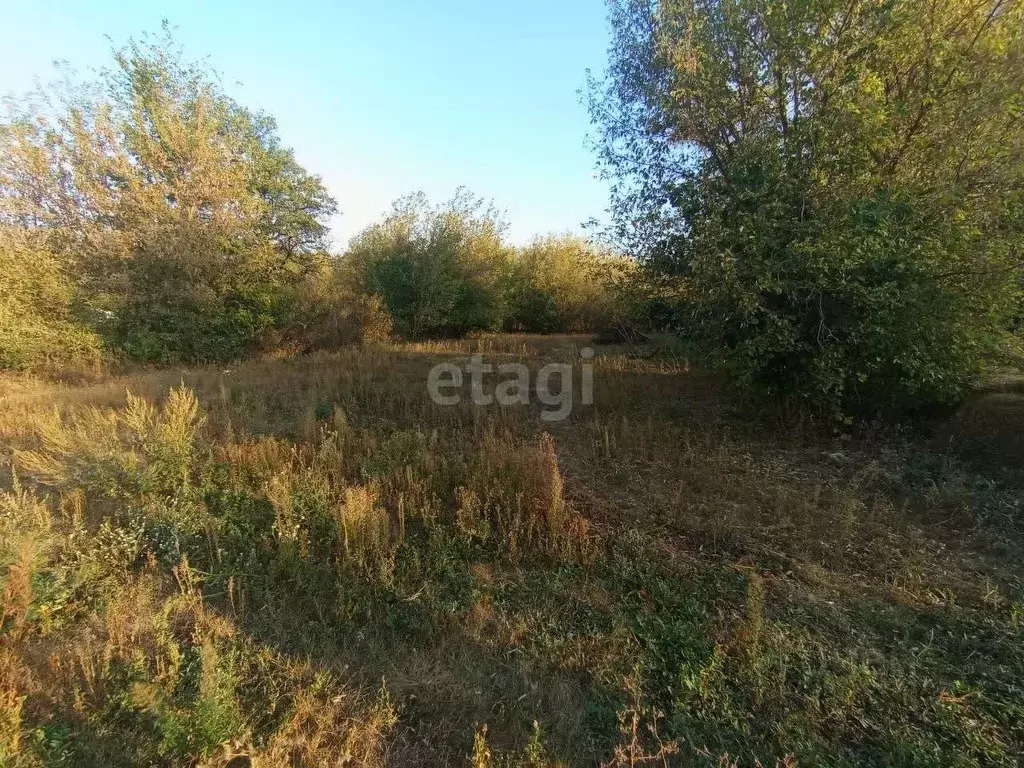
{"points": [[308, 562]]}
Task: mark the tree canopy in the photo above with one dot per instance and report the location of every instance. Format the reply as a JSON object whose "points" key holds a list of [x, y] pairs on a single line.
{"points": [[180, 223], [838, 181]]}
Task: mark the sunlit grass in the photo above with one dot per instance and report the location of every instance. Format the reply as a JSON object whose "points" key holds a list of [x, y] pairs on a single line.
{"points": [[306, 562]]}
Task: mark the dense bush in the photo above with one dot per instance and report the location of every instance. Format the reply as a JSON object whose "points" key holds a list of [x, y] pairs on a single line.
{"points": [[437, 269], [38, 326], [446, 271], [837, 183], [563, 283], [326, 311]]}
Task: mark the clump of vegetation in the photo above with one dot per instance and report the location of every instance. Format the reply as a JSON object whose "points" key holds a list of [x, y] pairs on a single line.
{"points": [[445, 271], [39, 318], [838, 183], [437, 270], [564, 284]]}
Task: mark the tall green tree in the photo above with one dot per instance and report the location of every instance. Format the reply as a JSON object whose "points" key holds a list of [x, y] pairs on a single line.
{"points": [[186, 225], [296, 206], [839, 182]]}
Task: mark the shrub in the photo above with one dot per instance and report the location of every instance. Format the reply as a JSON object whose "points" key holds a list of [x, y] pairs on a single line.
{"points": [[853, 311], [38, 324], [437, 270], [326, 311], [563, 284], [193, 296], [140, 449]]}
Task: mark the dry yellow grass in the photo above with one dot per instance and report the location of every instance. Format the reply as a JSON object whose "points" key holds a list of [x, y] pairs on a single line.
{"points": [[307, 562]]}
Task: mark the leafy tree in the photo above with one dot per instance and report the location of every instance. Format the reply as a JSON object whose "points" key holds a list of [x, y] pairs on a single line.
{"points": [[839, 183], [296, 204], [437, 270], [187, 226]]}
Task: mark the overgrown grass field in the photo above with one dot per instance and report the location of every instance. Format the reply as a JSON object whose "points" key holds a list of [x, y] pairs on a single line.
{"points": [[305, 562]]}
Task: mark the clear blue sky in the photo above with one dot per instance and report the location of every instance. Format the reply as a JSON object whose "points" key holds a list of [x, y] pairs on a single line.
{"points": [[380, 97]]}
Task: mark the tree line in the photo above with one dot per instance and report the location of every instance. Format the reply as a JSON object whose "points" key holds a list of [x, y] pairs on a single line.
{"points": [[148, 216], [823, 198]]}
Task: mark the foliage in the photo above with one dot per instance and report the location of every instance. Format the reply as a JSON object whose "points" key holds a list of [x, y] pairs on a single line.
{"points": [[838, 182], [295, 204], [326, 311], [436, 269], [185, 224], [39, 327], [445, 271], [563, 284]]}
